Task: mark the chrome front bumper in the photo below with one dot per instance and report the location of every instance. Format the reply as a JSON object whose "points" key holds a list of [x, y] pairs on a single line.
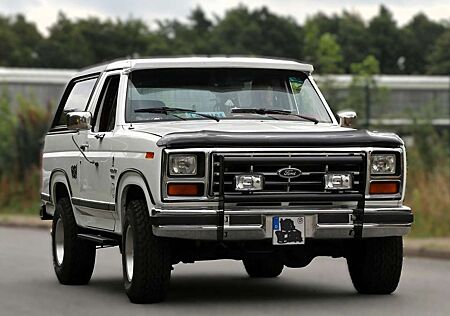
{"points": [[257, 224]]}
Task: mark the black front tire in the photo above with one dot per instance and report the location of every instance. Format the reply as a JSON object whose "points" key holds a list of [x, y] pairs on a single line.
{"points": [[151, 267], [73, 258], [375, 265], [263, 266]]}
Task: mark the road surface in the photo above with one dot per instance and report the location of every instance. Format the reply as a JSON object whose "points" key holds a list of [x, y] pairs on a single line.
{"points": [[29, 287]]}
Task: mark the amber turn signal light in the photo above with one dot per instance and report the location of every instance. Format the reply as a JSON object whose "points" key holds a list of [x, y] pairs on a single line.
{"points": [[384, 187], [184, 189]]}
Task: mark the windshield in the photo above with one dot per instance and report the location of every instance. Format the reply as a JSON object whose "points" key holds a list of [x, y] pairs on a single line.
{"points": [[216, 92]]}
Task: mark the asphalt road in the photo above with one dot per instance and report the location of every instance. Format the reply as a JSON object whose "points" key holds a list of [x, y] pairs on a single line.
{"points": [[29, 287]]}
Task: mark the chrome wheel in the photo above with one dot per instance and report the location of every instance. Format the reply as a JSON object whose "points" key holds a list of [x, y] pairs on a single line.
{"points": [[59, 241], [129, 253]]}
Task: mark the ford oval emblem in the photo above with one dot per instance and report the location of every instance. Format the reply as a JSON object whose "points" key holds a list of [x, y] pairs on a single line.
{"points": [[289, 173]]}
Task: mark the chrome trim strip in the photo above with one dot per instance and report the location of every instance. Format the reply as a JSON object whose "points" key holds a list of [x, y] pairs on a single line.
{"points": [[281, 211]]}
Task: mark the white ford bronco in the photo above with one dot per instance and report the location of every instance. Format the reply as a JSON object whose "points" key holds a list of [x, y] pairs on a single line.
{"points": [[188, 159]]}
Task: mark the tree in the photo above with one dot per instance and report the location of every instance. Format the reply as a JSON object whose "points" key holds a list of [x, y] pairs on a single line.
{"points": [[420, 35], [364, 94], [329, 56], [352, 36], [310, 42], [439, 58], [257, 32], [19, 40], [385, 41]]}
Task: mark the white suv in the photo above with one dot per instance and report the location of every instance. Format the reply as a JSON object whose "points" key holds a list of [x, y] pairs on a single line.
{"points": [[188, 159]]}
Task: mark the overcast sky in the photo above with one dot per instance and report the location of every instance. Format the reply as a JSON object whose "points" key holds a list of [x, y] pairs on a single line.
{"points": [[44, 12]]}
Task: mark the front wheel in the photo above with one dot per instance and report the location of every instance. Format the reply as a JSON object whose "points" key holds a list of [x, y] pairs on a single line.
{"points": [[145, 257], [375, 265]]}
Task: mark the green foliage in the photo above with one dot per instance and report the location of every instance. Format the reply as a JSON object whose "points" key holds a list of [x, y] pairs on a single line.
{"points": [[420, 35], [21, 136], [428, 189], [329, 56], [19, 42], [7, 124], [332, 43], [352, 36], [385, 40], [439, 59]]}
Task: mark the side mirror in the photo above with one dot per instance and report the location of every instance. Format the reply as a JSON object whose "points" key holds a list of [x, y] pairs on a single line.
{"points": [[79, 121], [347, 118]]}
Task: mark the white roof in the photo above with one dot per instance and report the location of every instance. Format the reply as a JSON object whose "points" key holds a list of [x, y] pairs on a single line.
{"points": [[210, 62]]}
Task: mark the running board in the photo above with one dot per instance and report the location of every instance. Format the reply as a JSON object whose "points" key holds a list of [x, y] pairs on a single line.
{"points": [[99, 240]]}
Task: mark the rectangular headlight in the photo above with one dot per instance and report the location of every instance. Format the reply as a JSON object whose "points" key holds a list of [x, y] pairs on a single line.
{"points": [[383, 164], [182, 164]]}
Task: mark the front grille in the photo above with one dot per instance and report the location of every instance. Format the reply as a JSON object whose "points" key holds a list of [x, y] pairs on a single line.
{"points": [[311, 182]]}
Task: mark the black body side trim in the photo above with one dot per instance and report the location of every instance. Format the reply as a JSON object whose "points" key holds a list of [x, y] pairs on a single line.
{"points": [[350, 138], [94, 204]]}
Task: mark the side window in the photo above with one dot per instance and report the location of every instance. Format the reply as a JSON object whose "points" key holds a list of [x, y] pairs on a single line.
{"points": [[105, 112], [80, 92]]}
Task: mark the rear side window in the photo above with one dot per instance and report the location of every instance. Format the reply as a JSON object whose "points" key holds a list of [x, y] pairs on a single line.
{"points": [[76, 100]]}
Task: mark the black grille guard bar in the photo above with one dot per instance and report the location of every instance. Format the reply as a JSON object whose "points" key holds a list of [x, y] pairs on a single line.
{"points": [[358, 213], [287, 160]]}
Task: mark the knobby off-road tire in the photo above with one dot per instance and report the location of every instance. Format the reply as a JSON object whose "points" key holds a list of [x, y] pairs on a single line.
{"points": [[375, 265], [73, 258], [151, 265], [263, 266]]}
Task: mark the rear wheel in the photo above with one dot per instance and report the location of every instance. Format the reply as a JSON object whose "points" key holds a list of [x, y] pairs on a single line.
{"points": [[73, 258], [263, 266], [375, 265], [145, 257]]}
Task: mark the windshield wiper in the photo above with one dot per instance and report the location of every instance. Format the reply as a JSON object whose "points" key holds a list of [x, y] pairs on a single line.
{"points": [[273, 111], [166, 110]]}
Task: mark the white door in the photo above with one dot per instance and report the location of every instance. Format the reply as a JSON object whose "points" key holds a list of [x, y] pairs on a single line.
{"points": [[97, 188]]}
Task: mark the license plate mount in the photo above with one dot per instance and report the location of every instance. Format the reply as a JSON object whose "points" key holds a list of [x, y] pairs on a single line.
{"points": [[288, 230]]}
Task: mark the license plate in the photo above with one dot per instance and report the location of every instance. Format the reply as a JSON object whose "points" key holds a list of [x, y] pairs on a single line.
{"points": [[288, 230]]}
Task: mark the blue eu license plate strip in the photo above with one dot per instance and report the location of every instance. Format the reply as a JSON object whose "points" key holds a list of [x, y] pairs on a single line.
{"points": [[276, 223]]}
